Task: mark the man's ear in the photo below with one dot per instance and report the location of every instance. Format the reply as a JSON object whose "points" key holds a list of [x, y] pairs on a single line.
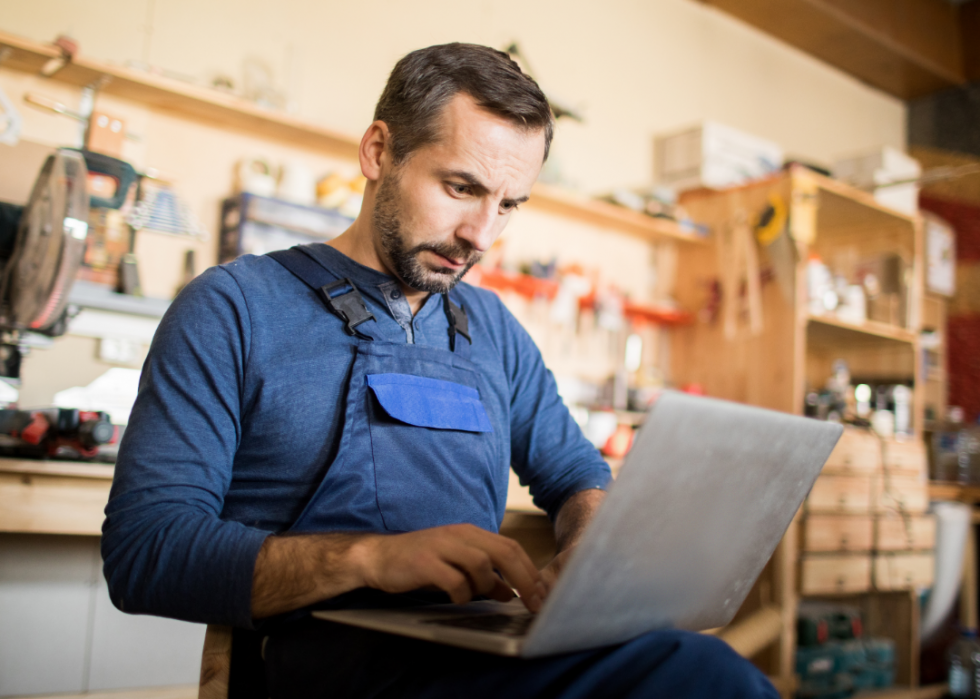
{"points": [[373, 150]]}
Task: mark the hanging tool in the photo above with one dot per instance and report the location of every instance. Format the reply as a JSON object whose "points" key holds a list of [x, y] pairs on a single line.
{"points": [[41, 248], [45, 433], [772, 232], [739, 265]]}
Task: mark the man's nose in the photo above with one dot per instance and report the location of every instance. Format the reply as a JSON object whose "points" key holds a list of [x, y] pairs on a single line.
{"points": [[478, 228]]}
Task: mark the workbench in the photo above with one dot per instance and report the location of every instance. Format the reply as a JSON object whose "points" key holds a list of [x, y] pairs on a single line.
{"points": [[53, 497]]}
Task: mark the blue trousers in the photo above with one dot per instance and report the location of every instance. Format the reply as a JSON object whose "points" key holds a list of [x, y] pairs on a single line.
{"points": [[314, 659]]}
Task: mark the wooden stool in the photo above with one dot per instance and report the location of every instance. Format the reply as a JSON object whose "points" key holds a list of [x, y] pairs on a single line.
{"points": [[215, 663]]}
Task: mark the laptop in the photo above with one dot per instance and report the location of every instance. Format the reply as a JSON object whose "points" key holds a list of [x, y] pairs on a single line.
{"points": [[700, 504]]}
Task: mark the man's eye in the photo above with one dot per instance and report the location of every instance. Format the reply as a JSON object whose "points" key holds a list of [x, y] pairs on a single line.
{"points": [[461, 188], [508, 207]]}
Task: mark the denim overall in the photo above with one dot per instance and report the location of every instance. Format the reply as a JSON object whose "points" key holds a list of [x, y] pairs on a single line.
{"points": [[416, 452], [417, 448]]}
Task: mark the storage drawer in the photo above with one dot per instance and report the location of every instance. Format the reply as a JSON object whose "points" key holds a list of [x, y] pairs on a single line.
{"points": [[906, 457], [840, 495], [857, 452], [896, 533], [837, 533], [902, 571], [899, 493], [831, 574]]}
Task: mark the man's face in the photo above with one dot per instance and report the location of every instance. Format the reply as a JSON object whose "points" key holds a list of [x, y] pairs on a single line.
{"points": [[437, 212]]}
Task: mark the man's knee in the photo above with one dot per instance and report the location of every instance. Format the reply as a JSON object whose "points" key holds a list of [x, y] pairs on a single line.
{"points": [[713, 664]]}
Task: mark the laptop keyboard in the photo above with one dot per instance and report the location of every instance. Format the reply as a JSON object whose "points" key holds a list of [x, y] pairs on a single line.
{"points": [[507, 624]]}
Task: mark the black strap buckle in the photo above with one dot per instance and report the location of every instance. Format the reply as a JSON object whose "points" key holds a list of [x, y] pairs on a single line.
{"points": [[458, 323], [349, 306]]}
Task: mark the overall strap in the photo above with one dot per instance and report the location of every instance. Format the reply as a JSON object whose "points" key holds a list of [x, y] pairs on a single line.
{"points": [[458, 322], [339, 294]]}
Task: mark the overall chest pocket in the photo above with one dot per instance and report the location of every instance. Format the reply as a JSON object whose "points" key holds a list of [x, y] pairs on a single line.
{"points": [[434, 453]]}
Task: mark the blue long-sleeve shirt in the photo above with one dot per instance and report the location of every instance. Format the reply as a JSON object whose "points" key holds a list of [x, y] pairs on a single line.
{"points": [[240, 412]]}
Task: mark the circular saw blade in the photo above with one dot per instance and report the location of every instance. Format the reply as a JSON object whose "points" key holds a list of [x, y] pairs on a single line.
{"points": [[50, 244]]}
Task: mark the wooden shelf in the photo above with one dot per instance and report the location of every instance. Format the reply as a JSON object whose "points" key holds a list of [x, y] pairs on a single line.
{"points": [[564, 203], [42, 467], [840, 205], [944, 490], [828, 329], [220, 109]]}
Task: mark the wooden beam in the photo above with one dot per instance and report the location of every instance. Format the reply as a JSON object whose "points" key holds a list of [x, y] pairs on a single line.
{"points": [[970, 35], [908, 48]]}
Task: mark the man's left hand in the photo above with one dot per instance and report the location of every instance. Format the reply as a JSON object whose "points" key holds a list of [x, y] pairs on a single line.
{"points": [[573, 517]]}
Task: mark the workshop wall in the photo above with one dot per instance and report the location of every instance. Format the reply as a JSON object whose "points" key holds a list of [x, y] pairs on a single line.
{"points": [[633, 68]]}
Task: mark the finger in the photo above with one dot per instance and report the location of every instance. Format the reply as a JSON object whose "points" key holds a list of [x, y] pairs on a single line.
{"points": [[476, 565], [514, 564], [453, 582], [501, 592], [507, 555]]}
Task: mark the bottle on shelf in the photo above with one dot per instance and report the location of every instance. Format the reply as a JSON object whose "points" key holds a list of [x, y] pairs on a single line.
{"points": [[945, 440], [964, 657], [968, 453]]}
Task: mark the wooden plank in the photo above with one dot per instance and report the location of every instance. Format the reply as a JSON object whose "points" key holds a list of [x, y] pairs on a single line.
{"points": [[564, 203], [858, 452], [753, 634], [840, 495], [907, 48], [907, 457], [822, 574], [901, 571], [896, 533], [941, 490], [79, 469], [838, 533], [895, 615], [44, 504], [822, 331], [899, 493]]}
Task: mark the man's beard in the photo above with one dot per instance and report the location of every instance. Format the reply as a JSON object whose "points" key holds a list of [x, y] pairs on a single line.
{"points": [[405, 262]]}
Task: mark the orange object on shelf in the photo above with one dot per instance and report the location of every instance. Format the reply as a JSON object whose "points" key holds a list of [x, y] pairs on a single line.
{"points": [[619, 443], [645, 314], [523, 284]]}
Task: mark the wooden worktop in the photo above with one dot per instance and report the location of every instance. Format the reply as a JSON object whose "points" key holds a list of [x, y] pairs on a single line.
{"points": [[53, 497]]}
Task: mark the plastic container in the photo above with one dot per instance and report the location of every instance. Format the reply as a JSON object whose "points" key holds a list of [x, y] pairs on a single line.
{"points": [[945, 440], [963, 658], [968, 453]]}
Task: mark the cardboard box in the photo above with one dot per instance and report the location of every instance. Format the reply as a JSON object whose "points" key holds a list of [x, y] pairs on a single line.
{"points": [[837, 533], [833, 494], [893, 532], [713, 155], [857, 453], [828, 574], [881, 167], [903, 571]]}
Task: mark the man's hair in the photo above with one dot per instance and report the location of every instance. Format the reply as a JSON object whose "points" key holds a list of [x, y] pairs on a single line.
{"points": [[423, 83]]}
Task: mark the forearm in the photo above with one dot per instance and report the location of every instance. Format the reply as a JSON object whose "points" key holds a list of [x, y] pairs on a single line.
{"points": [[575, 515], [294, 571], [462, 560]]}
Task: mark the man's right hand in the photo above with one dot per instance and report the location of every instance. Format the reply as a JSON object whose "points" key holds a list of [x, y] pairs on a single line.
{"points": [[460, 559]]}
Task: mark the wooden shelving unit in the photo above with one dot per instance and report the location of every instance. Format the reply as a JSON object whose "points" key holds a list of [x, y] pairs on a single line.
{"points": [[831, 329], [229, 111], [773, 365]]}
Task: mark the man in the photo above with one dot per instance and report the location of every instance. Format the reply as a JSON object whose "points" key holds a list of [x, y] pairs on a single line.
{"points": [[318, 422]]}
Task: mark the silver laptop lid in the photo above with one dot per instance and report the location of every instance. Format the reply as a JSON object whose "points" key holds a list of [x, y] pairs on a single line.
{"points": [[700, 504]]}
